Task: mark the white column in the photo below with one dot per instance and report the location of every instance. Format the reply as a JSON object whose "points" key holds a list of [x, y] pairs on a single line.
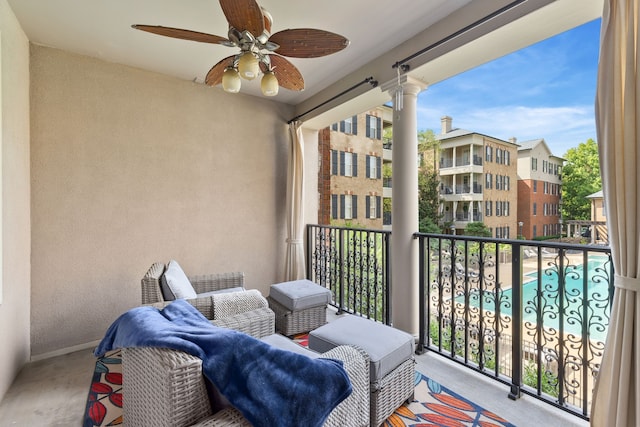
{"points": [[404, 248]]}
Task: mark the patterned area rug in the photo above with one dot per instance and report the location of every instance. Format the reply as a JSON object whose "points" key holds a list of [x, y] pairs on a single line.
{"points": [[437, 406], [104, 403], [434, 405]]}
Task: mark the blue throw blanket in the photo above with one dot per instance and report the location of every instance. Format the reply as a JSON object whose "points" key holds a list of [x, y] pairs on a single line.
{"points": [[271, 387]]}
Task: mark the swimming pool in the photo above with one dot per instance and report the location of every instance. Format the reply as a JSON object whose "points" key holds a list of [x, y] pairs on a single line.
{"points": [[548, 298]]}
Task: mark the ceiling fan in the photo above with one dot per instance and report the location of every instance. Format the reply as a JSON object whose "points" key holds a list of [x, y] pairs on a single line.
{"points": [[260, 51]]}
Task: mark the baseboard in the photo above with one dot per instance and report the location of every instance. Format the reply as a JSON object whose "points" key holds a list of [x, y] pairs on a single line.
{"points": [[67, 350]]}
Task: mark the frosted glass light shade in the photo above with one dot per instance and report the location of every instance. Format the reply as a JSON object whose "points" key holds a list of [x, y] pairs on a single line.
{"points": [[231, 80], [248, 66], [269, 84]]}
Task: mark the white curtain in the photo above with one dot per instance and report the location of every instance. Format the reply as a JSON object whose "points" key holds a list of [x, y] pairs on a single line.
{"points": [[616, 400], [294, 263]]}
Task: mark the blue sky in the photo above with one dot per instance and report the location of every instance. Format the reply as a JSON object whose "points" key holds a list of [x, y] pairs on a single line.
{"points": [[544, 91]]}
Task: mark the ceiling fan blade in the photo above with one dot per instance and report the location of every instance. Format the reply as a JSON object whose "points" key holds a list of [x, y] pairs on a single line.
{"points": [[178, 33], [308, 43], [214, 76], [244, 15], [289, 77]]}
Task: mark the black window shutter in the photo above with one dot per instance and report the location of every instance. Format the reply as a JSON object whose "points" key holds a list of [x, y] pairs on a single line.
{"points": [[379, 168], [342, 206], [334, 206], [367, 206], [354, 207], [368, 126], [354, 161], [334, 126], [379, 206], [378, 128], [354, 125], [367, 166], [342, 163], [342, 126], [334, 162]]}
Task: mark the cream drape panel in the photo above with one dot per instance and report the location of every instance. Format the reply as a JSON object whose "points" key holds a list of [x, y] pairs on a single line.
{"points": [[294, 263], [616, 399]]}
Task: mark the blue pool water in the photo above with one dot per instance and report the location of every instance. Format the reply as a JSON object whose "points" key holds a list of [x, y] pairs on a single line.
{"points": [[597, 293]]}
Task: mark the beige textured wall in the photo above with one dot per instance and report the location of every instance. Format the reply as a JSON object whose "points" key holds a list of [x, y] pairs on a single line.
{"points": [[14, 140], [131, 167]]}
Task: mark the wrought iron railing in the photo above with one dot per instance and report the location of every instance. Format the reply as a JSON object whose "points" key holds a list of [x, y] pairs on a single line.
{"points": [[532, 315], [354, 264]]}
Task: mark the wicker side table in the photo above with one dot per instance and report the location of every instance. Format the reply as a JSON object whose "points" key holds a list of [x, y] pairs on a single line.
{"points": [[299, 305]]}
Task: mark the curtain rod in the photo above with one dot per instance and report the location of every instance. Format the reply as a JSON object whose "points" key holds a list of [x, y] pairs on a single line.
{"points": [[458, 33], [370, 80]]}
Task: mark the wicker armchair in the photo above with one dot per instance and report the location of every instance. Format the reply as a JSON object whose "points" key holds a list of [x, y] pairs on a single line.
{"points": [[166, 388], [247, 311]]}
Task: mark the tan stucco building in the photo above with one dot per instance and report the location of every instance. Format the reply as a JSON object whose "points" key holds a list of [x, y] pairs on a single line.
{"points": [[478, 180]]}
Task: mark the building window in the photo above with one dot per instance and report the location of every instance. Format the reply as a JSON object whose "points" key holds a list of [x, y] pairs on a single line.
{"points": [[374, 166], [348, 206], [348, 164], [498, 156], [487, 208], [374, 127], [507, 158], [535, 186], [374, 207], [534, 164], [535, 231], [349, 125], [535, 209], [489, 181], [489, 154]]}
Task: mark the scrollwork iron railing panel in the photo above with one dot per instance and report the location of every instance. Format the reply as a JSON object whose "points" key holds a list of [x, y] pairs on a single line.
{"points": [[532, 315], [354, 264]]}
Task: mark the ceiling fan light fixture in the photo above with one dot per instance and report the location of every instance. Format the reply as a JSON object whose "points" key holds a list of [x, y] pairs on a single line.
{"points": [[269, 84], [248, 66], [231, 80]]}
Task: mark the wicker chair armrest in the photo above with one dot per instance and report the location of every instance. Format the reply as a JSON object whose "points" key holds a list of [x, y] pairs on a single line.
{"points": [[163, 387], [257, 323], [354, 410], [215, 282], [231, 303]]}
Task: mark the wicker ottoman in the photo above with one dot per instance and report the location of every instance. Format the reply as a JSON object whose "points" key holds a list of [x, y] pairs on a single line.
{"points": [[390, 351], [299, 306]]}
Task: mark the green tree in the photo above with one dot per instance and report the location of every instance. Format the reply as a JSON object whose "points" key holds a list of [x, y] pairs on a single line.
{"points": [[428, 183], [580, 178], [428, 200], [477, 229]]}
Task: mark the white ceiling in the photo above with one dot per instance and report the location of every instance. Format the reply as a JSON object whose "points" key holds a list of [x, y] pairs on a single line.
{"points": [[380, 34], [102, 29]]}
